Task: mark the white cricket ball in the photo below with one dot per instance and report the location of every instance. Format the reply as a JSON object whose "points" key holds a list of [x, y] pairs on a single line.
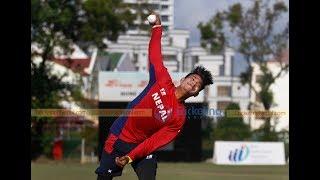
{"points": [[152, 18]]}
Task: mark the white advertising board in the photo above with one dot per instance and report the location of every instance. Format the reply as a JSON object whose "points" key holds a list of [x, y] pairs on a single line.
{"points": [[125, 86], [249, 153]]}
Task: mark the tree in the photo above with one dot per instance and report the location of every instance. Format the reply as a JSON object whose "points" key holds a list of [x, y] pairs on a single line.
{"points": [[63, 23], [252, 33], [143, 8], [231, 128]]}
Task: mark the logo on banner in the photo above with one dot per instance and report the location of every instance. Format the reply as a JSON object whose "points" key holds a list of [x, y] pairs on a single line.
{"points": [[239, 154], [161, 112]]}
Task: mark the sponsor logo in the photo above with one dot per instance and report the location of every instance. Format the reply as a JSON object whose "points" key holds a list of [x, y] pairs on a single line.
{"points": [[239, 154], [162, 112]]}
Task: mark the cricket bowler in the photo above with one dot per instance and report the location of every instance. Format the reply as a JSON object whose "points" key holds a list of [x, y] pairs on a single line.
{"points": [[132, 140]]}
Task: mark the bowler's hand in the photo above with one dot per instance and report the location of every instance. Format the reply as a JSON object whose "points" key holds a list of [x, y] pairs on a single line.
{"points": [[122, 161]]}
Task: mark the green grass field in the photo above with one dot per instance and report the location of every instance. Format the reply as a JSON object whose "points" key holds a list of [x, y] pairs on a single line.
{"points": [[166, 171]]}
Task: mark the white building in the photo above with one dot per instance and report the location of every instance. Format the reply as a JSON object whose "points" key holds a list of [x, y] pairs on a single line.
{"points": [[135, 47], [74, 70], [280, 91], [227, 88], [178, 57]]}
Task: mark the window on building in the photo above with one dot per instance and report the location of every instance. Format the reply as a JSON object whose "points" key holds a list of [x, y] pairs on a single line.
{"points": [[165, 18], [153, 6], [169, 57], [221, 70], [170, 41], [232, 65], [144, 26], [164, 7], [258, 78], [132, 27], [195, 60], [222, 105], [135, 58], [224, 91], [187, 42]]}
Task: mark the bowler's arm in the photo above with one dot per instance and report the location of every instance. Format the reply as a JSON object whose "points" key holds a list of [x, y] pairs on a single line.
{"points": [[156, 66]]}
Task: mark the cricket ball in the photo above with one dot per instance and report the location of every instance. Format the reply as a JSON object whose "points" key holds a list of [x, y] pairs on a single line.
{"points": [[152, 18]]}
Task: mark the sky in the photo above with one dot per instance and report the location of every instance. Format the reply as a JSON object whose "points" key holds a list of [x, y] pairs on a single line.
{"points": [[189, 13]]}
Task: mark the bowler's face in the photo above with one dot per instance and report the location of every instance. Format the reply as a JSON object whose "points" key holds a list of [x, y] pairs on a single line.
{"points": [[192, 84]]}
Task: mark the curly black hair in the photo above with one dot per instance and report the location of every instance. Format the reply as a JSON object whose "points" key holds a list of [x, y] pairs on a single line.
{"points": [[205, 75]]}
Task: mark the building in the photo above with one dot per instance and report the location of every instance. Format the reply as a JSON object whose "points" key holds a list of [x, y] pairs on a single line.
{"points": [[227, 88], [135, 47], [73, 70], [178, 57], [142, 9], [280, 91]]}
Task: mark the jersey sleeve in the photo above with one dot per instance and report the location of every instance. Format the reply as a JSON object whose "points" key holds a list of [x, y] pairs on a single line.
{"points": [[157, 70], [159, 139]]}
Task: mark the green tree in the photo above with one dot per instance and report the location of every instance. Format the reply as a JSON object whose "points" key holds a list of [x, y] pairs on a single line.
{"points": [[143, 8], [62, 23], [231, 128], [252, 33]]}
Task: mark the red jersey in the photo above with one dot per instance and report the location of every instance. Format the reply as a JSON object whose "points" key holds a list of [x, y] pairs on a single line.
{"points": [[168, 114]]}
